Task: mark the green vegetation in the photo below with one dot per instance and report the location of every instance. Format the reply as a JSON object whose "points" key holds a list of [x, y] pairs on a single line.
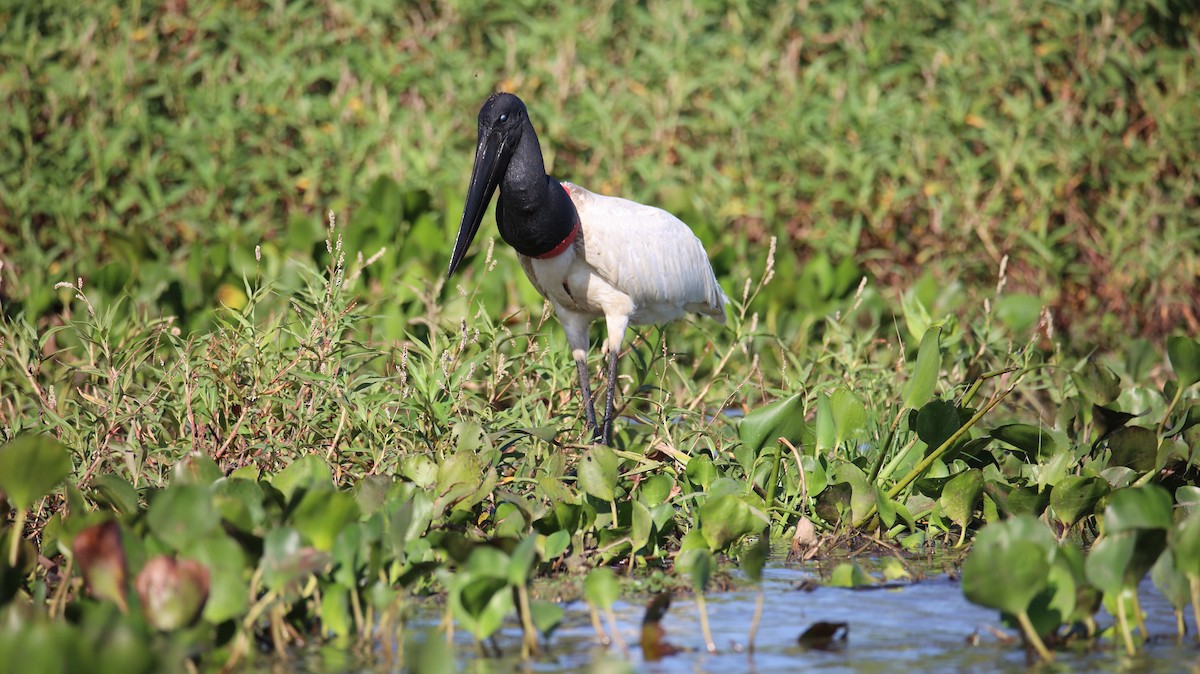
{"points": [[962, 245]]}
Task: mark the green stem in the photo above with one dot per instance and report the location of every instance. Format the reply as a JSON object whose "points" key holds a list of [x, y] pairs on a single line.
{"points": [[925, 463], [529, 644], [1194, 582], [1162, 425], [1123, 621], [708, 640], [774, 479], [758, 606], [1031, 635], [18, 528]]}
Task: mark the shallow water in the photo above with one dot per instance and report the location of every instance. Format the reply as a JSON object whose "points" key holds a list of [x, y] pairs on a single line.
{"points": [[919, 627]]}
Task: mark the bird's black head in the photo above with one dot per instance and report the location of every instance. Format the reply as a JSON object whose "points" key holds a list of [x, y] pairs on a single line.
{"points": [[502, 113], [502, 120]]}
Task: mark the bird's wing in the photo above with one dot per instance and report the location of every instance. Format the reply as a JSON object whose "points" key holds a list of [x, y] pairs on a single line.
{"points": [[647, 253]]}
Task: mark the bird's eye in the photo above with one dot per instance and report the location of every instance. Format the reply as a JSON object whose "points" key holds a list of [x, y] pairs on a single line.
{"points": [[504, 117]]}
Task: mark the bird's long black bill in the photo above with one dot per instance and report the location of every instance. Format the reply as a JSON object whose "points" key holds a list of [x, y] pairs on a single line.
{"points": [[485, 177]]}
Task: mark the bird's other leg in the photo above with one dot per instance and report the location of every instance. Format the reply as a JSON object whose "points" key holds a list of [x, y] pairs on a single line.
{"points": [[576, 328], [616, 336]]}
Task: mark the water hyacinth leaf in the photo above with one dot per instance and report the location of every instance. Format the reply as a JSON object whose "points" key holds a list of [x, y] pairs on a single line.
{"points": [[925, 370], [30, 467], [642, 526], [600, 587], [522, 560], [322, 514], [936, 422], [307, 472], [850, 574], [545, 615], [753, 557], [1032, 441], [420, 470], [726, 519], [240, 503], [1009, 564], [1185, 545], [700, 565], [655, 490], [1171, 582], [700, 471], [780, 419], [483, 602], [335, 612], [173, 592], [1109, 560], [1099, 384], [1076, 496], [1006, 579], [1147, 507], [1135, 447], [182, 513], [285, 561], [228, 596], [195, 468], [459, 475], [555, 544], [885, 507], [1107, 421], [101, 557], [598, 473], [961, 495], [1027, 501], [1184, 355], [849, 415], [116, 492], [826, 430]]}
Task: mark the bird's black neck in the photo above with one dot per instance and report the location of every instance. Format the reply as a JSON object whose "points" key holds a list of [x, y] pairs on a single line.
{"points": [[535, 214]]}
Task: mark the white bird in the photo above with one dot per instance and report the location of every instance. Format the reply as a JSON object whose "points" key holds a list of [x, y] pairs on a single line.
{"points": [[590, 255]]}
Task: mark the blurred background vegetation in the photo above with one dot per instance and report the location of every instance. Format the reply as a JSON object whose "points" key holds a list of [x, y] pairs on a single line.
{"points": [[150, 147]]}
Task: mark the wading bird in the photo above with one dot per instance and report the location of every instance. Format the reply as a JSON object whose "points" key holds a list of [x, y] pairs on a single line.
{"points": [[590, 255]]}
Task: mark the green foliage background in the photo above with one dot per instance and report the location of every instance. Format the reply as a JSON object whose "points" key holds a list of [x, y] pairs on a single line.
{"points": [[148, 147]]}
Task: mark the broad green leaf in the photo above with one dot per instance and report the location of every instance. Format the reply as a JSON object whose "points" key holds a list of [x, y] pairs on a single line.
{"points": [[1119, 561], [1185, 545], [30, 467], [699, 564], [925, 370], [936, 422], [849, 415], [826, 429], [239, 502], [1147, 507], [322, 514], [725, 519], [1098, 384], [1032, 441], [600, 587], [781, 419], [555, 544], [642, 525], [850, 574], [173, 591], [1171, 581], [182, 513], [336, 619], [546, 615], [961, 495], [483, 602], [598, 473], [306, 472], [1184, 354], [522, 561], [195, 468], [116, 492], [700, 471], [753, 557], [1005, 569], [655, 489], [1135, 447], [229, 593], [1075, 497]]}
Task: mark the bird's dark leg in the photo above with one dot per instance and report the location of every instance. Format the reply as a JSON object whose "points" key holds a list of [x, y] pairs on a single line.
{"points": [[589, 408], [616, 336], [610, 397]]}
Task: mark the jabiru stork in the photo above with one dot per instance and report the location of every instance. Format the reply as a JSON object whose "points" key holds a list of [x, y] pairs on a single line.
{"points": [[590, 255]]}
